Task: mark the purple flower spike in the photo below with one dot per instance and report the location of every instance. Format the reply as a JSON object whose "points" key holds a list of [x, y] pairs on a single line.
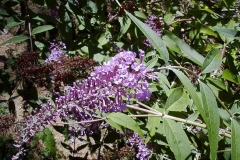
{"points": [[152, 22], [108, 88], [57, 52]]}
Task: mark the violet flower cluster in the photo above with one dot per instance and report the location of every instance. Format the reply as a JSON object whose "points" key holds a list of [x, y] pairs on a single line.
{"points": [[136, 141], [54, 12], [153, 22], [108, 88], [105, 90], [57, 52], [33, 124]]}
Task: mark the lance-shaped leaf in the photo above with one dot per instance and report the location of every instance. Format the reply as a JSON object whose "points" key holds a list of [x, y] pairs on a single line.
{"points": [[178, 100], [228, 75], [212, 61], [41, 29], [16, 39], [125, 24], [177, 139], [150, 64], [125, 121], [153, 122], [152, 36], [187, 51], [115, 125], [212, 118], [228, 32], [191, 90], [235, 128]]}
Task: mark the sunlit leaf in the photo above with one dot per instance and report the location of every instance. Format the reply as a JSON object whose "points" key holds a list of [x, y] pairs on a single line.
{"points": [[228, 32], [235, 128], [187, 51], [230, 76], [150, 64], [171, 44], [125, 24], [140, 14], [153, 122], [212, 61], [191, 90], [178, 100], [16, 39], [125, 121], [177, 139], [41, 29], [152, 36], [212, 118]]}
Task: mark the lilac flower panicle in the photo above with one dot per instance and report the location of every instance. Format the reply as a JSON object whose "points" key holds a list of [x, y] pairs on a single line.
{"points": [[108, 88], [54, 12], [136, 141], [33, 124], [151, 22], [56, 52]]}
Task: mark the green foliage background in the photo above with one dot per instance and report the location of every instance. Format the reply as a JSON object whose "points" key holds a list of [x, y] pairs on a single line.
{"points": [[196, 98]]}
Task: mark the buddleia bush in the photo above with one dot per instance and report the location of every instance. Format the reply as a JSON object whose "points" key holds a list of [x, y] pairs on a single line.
{"points": [[159, 78]]}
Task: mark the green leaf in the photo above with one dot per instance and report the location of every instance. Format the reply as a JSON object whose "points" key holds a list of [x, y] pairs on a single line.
{"points": [[171, 44], [230, 76], [163, 79], [14, 21], [92, 6], [235, 128], [48, 140], [191, 90], [212, 61], [140, 14], [66, 26], [207, 30], [39, 45], [168, 18], [230, 3], [115, 125], [228, 32], [104, 38], [125, 121], [152, 36], [177, 139], [16, 39], [150, 64], [209, 10], [217, 82], [187, 51], [177, 101], [212, 118], [125, 24], [153, 123], [41, 29]]}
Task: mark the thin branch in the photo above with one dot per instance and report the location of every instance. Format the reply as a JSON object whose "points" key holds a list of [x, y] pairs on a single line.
{"points": [[181, 20], [177, 67], [118, 3], [143, 115], [146, 106], [226, 150], [30, 34], [168, 116], [163, 115], [224, 50]]}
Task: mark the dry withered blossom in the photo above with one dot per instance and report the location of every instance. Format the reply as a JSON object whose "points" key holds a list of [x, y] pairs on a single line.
{"points": [[66, 70]]}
